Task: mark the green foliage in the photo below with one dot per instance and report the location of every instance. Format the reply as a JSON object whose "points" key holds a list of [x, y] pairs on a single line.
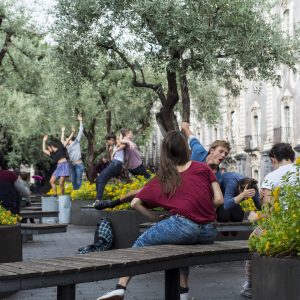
{"points": [[281, 222]]}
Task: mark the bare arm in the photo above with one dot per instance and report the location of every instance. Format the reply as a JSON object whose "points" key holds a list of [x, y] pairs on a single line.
{"points": [[69, 138], [137, 204], [129, 196], [44, 145], [266, 196], [80, 132], [62, 137], [185, 127], [218, 199]]}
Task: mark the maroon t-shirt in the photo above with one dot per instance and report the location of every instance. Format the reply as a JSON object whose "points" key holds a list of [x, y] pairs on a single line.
{"points": [[7, 176], [192, 199]]}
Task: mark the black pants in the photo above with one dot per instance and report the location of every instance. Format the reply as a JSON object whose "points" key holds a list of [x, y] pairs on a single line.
{"points": [[235, 214]]}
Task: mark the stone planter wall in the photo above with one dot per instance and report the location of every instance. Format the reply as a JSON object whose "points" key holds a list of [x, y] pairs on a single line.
{"points": [[275, 278], [125, 223], [11, 243]]}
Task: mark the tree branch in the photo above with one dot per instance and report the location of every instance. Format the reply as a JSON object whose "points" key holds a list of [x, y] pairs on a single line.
{"points": [[155, 87], [6, 45]]}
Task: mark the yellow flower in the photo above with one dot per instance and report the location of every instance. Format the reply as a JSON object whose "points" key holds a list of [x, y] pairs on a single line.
{"points": [[276, 206], [298, 161], [275, 193]]}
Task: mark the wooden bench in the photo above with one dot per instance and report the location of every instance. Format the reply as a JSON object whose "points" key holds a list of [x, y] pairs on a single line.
{"points": [[244, 226], [66, 272], [29, 229], [27, 214]]}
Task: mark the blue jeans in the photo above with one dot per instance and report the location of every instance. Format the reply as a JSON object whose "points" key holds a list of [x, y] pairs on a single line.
{"points": [[76, 172], [140, 170], [112, 170], [177, 230]]}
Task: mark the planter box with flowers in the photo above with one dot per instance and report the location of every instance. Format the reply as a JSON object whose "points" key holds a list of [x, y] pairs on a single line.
{"points": [[276, 258], [10, 237]]}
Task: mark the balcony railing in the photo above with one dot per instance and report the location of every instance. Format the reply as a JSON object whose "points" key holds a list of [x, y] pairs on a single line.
{"points": [[283, 135], [252, 142]]}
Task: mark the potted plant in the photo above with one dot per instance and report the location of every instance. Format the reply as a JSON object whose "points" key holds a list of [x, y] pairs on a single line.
{"points": [[10, 237], [276, 252]]}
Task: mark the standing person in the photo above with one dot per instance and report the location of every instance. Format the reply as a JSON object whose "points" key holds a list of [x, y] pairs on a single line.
{"points": [[74, 152], [189, 191], [12, 188], [217, 152], [282, 158], [112, 170], [59, 155], [236, 188], [132, 155]]}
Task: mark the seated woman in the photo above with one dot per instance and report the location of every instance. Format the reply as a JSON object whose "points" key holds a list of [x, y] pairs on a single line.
{"points": [[189, 191], [236, 188], [11, 188]]}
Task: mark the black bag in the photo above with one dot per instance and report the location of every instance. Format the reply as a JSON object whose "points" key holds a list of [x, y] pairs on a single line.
{"points": [[103, 238]]}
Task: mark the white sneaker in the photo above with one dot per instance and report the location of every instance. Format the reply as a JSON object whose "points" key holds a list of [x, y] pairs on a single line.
{"points": [[184, 296], [113, 295]]}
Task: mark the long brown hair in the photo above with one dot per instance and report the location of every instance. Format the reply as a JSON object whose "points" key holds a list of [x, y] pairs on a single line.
{"points": [[174, 152]]}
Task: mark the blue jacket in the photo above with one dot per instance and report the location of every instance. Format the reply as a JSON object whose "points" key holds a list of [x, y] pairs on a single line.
{"points": [[199, 153], [229, 188]]}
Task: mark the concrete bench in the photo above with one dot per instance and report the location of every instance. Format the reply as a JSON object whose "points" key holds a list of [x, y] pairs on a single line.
{"points": [[29, 229], [66, 272]]}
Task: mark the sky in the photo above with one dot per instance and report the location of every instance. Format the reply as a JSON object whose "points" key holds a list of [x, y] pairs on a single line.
{"points": [[38, 10]]}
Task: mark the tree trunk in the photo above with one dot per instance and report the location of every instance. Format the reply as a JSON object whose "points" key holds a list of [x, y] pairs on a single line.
{"points": [[108, 120], [90, 158], [185, 96]]}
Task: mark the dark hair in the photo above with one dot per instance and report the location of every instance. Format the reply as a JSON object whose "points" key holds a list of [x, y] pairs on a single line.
{"points": [[124, 131], [282, 151], [250, 182], [174, 152], [3, 164], [110, 136], [55, 143]]}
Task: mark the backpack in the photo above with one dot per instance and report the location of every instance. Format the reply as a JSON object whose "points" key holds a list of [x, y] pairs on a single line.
{"points": [[103, 238]]}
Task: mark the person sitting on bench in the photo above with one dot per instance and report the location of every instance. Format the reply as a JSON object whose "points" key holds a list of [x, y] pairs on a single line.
{"points": [[236, 188], [190, 192]]}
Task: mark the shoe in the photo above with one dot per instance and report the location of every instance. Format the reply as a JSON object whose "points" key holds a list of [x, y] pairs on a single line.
{"points": [[184, 296], [103, 204], [246, 290], [113, 295]]}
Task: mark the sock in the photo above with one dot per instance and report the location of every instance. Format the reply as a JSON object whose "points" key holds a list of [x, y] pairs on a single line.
{"points": [[119, 287], [183, 290]]}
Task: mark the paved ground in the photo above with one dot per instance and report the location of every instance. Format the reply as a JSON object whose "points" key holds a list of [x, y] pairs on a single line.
{"points": [[209, 282]]}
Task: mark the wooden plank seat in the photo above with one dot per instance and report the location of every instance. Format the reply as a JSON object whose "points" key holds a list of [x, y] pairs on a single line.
{"points": [[29, 229], [245, 226], [66, 272], [32, 208], [26, 214]]}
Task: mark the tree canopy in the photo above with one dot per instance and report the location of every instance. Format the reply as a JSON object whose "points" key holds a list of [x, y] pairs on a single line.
{"points": [[227, 41]]}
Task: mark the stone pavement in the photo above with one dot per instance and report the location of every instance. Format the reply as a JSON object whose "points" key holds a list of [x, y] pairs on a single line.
{"points": [[209, 282]]}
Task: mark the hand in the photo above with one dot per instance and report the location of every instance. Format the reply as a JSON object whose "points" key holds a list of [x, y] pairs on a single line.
{"points": [[63, 128], [79, 118], [45, 138], [248, 193], [73, 130], [253, 216]]}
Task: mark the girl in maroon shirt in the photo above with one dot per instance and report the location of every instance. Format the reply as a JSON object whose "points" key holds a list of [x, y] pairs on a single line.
{"points": [[189, 191]]}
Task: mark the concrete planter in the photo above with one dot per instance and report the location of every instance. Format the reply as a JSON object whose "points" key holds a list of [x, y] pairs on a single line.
{"points": [[275, 278], [125, 223], [50, 204], [11, 243]]}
